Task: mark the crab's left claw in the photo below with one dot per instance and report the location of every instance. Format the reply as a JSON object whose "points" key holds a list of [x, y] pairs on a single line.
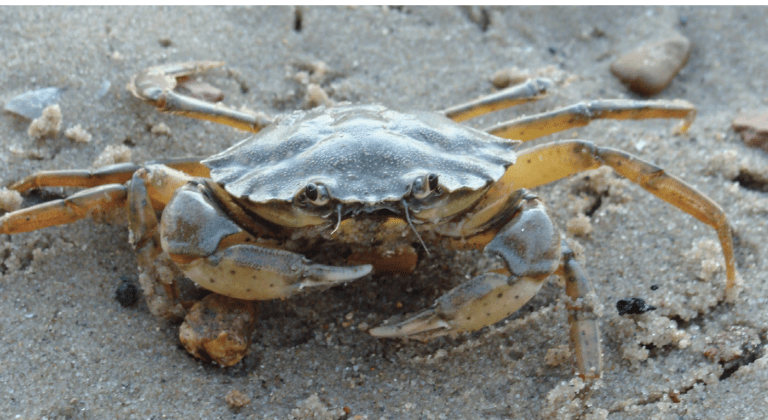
{"points": [[482, 301], [529, 245]]}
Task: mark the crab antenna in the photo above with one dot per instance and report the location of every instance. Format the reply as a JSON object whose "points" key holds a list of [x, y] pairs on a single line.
{"points": [[338, 221], [408, 219]]}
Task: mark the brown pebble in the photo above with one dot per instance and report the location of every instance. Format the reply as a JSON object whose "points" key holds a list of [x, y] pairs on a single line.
{"points": [[753, 130], [219, 329], [650, 68]]}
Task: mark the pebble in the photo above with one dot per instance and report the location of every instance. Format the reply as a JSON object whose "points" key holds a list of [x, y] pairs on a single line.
{"points": [[633, 306], [127, 294], [650, 68], [753, 130]]}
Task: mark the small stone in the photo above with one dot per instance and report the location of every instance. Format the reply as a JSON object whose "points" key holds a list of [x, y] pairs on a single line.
{"points": [[127, 293], [633, 306], [219, 329], [753, 130], [650, 68]]}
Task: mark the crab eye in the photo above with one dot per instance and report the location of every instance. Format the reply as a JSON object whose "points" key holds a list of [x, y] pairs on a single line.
{"points": [[424, 185], [317, 194]]}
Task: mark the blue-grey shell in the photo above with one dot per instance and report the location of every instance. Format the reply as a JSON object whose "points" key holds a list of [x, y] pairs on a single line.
{"points": [[361, 153]]}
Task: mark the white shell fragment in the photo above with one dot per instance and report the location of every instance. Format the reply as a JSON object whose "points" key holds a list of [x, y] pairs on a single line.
{"points": [[362, 154], [31, 104]]}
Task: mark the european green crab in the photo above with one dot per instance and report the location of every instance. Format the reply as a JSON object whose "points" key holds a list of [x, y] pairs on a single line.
{"points": [[379, 183]]}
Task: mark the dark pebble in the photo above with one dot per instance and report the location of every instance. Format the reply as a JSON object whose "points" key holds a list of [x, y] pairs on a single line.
{"points": [[633, 306], [127, 293]]}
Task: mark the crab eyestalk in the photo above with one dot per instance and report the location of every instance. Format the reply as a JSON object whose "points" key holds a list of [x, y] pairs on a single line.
{"points": [[317, 194], [423, 186]]}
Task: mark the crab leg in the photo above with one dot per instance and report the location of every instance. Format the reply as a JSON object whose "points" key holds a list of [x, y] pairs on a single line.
{"points": [[156, 86], [585, 333], [118, 173], [530, 90], [581, 114], [68, 210], [96, 200], [553, 161]]}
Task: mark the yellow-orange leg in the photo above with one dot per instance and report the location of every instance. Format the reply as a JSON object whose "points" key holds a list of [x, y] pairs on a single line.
{"points": [[531, 90], [156, 86], [581, 114], [68, 210], [118, 173], [554, 161], [584, 331]]}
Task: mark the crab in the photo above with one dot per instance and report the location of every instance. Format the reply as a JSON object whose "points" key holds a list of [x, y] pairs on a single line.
{"points": [[374, 183]]}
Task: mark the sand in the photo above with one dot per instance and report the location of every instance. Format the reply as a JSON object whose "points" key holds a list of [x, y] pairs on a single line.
{"points": [[69, 350]]}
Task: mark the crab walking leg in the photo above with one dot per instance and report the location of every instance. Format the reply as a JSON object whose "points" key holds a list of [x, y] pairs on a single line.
{"points": [[581, 114], [553, 161], [530, 90], [156, 86], [585, 333], [68, 210], [113, 174], [118, 173], [529, 245], [217, 254]]}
